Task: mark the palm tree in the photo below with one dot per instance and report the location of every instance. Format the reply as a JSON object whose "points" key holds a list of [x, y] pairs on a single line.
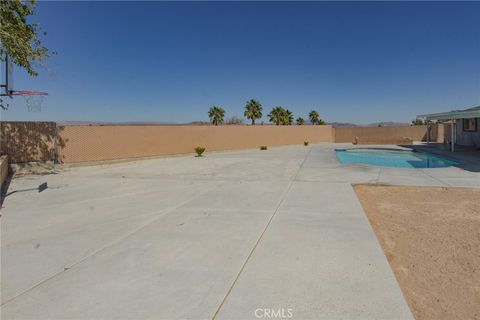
{"points": [[216, 115], [282, 116], [277, 115], [313, 115], [321, 122], [288, 117], [253, 110], [300, 121]]}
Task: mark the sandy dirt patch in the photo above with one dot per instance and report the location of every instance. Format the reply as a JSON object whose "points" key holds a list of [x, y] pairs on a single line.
{"points": [[431, 237]]}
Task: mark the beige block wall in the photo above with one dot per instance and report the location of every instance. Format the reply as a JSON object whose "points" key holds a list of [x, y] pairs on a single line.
{"points": [[35, 141], [96, 143], [415, 133], [26, 141]]}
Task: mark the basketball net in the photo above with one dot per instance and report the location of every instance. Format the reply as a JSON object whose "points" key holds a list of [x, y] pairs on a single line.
{"points": [[33, 102], [33, 99]]}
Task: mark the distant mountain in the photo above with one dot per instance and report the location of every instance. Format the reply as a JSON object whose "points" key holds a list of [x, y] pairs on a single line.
{"points": [[83, 123], [388, 124], [375, 124], [342, 124], [196, 123], [129, 123]]}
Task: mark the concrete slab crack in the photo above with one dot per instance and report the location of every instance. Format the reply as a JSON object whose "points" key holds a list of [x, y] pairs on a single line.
{"points": [[284, 195]]}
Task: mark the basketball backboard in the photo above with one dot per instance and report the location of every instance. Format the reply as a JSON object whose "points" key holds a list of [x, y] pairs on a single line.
{"points": [[33, 99]]}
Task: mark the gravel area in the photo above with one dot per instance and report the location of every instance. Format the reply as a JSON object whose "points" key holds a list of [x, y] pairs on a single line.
{"points": [[431, 237]]}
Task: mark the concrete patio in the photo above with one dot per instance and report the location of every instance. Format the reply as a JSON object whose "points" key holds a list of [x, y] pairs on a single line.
{"points": [[221, 236]]}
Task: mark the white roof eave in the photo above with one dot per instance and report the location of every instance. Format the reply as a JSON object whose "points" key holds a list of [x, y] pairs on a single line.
{"points": [[452, 115]]}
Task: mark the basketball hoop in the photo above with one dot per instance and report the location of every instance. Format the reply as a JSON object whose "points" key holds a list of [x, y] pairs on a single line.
{"points": [[33, 99]]}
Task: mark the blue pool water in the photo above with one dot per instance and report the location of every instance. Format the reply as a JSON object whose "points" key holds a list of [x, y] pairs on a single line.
{"points": [[392, 158]]}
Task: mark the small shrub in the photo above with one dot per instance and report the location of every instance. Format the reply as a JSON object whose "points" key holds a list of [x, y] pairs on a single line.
{"points": [[199, 151], [263, 147], [305, 143]]}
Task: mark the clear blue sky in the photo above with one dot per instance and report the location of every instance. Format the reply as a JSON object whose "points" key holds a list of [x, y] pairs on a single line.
{"points": [[355, 62]]}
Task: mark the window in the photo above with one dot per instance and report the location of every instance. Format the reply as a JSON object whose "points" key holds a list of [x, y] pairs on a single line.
{"points": [[470, 124]]}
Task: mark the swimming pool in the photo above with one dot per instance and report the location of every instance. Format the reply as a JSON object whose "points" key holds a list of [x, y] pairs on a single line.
{"points": [[392, 158]]}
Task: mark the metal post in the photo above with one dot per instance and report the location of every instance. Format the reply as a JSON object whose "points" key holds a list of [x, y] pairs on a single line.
{"points": [[428, 133], [55, 145], [454, 132], [7, 86], [7, 76], [452, 138]]}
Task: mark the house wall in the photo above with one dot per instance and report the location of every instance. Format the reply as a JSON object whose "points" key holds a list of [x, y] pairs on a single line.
{"points": [[447, 132], [440, 134], [468, 138]]}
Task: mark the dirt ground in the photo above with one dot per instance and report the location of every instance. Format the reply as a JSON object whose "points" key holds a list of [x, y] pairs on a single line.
{"points": [[431, 237]]}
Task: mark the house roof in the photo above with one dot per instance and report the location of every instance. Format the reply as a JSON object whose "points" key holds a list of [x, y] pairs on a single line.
{"points": [[454, 114]]}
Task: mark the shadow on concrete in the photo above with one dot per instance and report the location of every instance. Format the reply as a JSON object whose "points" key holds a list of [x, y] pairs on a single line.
{"points": [[4, 187]]}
